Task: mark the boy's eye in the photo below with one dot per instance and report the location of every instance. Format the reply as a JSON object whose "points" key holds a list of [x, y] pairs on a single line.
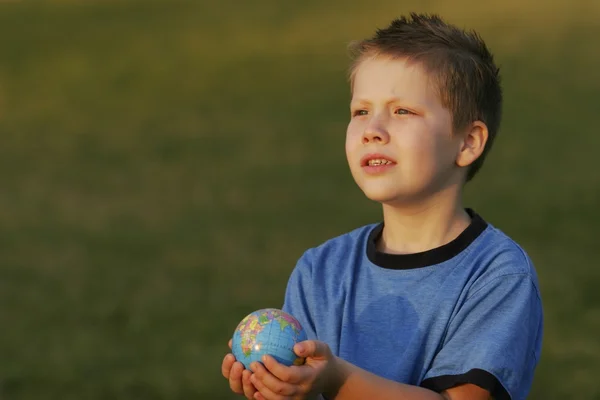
{"points": [[403, 111], [360, 112]]}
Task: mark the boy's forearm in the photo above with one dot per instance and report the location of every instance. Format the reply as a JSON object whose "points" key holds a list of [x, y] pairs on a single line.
{"points": [[351, 383]]}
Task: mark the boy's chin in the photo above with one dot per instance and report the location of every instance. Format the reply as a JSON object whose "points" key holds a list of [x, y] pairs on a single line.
{"points": [[385, 197], [394, 198]]}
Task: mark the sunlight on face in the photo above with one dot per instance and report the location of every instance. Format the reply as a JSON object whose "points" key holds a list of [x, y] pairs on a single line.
{"points": [[397, 116]]}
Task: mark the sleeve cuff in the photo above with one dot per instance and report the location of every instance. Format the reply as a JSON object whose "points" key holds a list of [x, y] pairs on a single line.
{"points": [[477, 377]]}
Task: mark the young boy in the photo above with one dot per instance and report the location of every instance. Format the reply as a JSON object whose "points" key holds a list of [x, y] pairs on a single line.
{"points": [[432, 303]]}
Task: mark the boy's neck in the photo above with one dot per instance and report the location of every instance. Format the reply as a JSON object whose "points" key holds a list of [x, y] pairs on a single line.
{"points": [[422, 227]]}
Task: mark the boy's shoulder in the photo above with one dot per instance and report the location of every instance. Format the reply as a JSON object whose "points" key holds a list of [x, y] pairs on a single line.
{"points": [[503, 250], [334, 253], [495, 256], [349, 241]]}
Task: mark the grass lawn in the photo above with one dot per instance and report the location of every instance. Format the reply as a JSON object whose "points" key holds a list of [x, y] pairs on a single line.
{"points": [[163, 164]]}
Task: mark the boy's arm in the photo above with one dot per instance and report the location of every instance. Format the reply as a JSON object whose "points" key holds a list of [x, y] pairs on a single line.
{"points": [[337, 379], [356, 383]]}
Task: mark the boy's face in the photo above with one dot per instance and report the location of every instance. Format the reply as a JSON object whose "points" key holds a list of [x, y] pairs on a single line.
{"points": [[399, 141]]}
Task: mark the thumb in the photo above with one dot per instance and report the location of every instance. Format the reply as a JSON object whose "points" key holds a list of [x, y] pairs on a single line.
{"points": [[312, 348]]}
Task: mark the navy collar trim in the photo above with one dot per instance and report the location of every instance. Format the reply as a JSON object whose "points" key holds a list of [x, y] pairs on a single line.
{"points": [[426, 258]]}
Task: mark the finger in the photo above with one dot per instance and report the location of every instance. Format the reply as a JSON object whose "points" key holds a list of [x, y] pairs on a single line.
{"points": [[235, 378], [227, 364], [268, 385], [312, 348], [230, 343], [247, 386], [292, 374], [263, 392]]}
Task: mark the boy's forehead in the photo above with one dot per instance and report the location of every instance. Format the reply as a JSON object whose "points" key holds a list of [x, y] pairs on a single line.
{"points": [[379, 76]]}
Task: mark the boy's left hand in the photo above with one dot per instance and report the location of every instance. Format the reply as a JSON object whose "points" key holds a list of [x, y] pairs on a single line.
{"points": [[275, 381]]}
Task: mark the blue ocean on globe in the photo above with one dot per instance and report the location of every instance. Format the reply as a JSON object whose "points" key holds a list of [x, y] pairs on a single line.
{"points": [[268, 331]]}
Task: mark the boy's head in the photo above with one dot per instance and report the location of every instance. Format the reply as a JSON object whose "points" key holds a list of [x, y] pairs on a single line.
{"points": [[458, 67]]}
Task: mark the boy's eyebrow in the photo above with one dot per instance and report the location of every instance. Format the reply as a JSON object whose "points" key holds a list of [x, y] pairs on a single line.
{"points": [[363, 101], [360, 101]]}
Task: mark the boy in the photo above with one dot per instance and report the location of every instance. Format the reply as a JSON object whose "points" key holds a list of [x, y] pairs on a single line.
{"points": [[432, 303]]}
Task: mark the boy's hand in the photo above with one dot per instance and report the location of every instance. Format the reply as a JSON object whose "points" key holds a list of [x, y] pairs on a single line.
{"points": [[275, 381], [239, 378]]}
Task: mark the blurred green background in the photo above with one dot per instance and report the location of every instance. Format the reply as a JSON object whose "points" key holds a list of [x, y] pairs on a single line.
{"points": [[163, 164]]}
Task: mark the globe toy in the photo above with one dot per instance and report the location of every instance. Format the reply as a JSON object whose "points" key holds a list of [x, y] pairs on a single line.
{"points": [[268, 331]]}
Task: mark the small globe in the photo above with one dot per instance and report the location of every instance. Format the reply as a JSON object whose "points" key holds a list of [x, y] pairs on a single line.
{"points": [[268, 331]]}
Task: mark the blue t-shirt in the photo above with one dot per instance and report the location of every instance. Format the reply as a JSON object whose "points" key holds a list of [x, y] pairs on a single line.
{"points": [[466, 312]]}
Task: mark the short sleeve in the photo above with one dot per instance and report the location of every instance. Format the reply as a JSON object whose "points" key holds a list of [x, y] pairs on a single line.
{"points": [[299, 299], [493, 341]]}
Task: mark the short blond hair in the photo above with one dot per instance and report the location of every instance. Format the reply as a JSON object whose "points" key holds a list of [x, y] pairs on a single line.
{"points": [[458, 61]]}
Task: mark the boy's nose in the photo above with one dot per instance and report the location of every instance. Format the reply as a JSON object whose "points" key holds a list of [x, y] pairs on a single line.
{"points": [[375, 133]]}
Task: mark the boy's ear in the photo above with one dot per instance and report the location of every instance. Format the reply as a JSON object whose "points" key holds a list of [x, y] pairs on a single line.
{"points": [[473, 143]]}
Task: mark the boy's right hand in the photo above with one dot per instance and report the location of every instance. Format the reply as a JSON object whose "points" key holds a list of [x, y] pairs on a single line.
{"points": [[239, 378]]}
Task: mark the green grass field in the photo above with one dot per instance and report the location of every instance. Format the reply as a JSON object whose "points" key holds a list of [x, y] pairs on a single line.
{"points": [[164, 164]]}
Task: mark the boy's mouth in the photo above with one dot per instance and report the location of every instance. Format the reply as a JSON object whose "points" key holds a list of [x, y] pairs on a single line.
{"points": [[376, 160]]}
